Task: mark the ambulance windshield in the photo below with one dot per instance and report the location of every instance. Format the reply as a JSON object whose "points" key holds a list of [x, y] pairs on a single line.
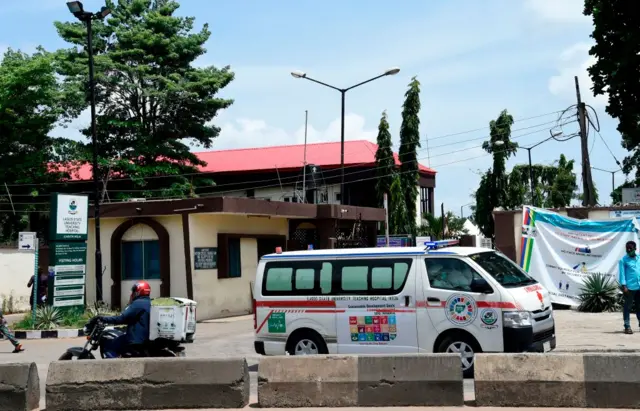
{"points": [[505, 271]]}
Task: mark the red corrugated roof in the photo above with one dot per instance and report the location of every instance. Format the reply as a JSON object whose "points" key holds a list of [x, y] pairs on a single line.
{"points": [[359, 152]]}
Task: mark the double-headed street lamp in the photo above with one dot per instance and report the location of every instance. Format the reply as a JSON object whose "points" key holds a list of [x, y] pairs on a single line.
{"points": [[77, 9], [343, 91], [613, 176]]}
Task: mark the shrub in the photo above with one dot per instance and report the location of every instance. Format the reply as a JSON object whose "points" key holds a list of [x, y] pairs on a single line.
{"points": [[599, 294], [48, 318]]}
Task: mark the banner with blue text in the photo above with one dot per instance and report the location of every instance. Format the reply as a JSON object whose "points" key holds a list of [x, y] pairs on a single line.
{"points": [[561, 252]]}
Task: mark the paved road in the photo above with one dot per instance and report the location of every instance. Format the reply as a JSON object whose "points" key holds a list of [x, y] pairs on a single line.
{"points": [[234, 338]]}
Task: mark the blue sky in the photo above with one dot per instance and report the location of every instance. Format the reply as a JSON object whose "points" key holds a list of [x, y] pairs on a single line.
{"points": [[473, 60]]}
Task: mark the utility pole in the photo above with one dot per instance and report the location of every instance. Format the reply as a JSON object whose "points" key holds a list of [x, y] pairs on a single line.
{"points": [[304, 161], [386, 220], [587, 182]]}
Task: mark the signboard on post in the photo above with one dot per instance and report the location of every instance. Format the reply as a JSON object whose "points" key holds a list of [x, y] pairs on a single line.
{"points": [[69, 261], [27, 241], [630, 195], [68, 235], [69, 217]]}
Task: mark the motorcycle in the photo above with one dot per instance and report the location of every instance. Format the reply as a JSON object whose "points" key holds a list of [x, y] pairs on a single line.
{"points": [[99, 335]]}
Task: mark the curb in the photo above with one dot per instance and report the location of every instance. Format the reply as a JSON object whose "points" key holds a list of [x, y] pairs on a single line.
{"points": [[41, 334], [50, 334]]}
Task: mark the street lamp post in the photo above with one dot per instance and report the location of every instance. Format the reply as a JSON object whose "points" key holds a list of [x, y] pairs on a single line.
{"points": [[77, 9], [343, 91], [462, 207], [553, 135], [613, 176]]}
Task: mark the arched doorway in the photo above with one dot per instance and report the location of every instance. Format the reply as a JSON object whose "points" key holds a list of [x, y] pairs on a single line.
{"points": [[125, 242]]}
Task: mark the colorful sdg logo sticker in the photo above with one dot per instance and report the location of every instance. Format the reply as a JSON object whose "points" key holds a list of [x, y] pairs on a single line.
{"points": [[489, 317], [461, 309]]}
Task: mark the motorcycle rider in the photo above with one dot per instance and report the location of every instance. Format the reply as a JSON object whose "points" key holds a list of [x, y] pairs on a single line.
{"points": [[136, 317]]}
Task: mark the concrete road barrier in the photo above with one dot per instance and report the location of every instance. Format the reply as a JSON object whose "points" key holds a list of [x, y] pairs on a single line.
{"points": [[149, 383], [19, 387], [558, 380], [367, 380]]}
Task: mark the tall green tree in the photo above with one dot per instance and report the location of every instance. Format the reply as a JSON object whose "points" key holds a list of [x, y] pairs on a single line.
{"points": [[564, 184], [385, 161], [409, 143], [493, 185], [153, 102], [398, 216], [32, 103], [616, 33]]}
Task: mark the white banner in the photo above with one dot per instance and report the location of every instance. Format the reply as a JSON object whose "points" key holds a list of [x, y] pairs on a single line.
{"points": [[560, 252]]}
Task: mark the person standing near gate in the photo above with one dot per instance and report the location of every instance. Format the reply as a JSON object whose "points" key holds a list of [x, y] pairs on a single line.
{"points": [[629, 279]]}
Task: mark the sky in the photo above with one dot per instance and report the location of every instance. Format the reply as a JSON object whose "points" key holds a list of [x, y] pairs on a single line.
{"points": [[473, 60]]}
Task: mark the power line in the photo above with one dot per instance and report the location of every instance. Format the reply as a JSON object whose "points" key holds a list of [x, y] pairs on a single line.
{"points": [[351, 166], [294, 178]]}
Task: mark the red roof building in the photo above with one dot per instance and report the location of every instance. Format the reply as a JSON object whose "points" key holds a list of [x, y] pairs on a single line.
{"points": [[275, 173]]}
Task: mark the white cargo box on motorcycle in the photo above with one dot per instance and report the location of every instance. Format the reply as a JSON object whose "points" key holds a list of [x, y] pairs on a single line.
{"points": [[173, 318]]}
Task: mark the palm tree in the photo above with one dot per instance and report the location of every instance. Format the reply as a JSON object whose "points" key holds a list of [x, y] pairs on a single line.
{"points": [[432, 226]]}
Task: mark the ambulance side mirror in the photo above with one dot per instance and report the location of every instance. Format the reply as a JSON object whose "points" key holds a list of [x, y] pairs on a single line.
{"points": [[480, 285]]}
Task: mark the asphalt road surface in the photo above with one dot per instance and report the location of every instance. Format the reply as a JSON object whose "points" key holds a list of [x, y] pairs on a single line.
{"points": [[233, 337]]}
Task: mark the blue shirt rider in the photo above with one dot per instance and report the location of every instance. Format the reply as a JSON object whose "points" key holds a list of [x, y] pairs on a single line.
{"points": [[629, 279], [135, 317]]}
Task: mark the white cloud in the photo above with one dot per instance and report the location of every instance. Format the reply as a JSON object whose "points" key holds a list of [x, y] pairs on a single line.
{"points": [[560, 11], [245, 133], [574, 61]]}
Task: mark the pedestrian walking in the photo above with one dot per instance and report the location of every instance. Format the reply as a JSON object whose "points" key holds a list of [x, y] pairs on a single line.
{"points": [[629, 279], [4, 330], [42, 287]]}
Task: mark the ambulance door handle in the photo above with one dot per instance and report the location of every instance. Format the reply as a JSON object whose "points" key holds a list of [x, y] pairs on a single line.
{"points": [[407, 300], [433, 300]]}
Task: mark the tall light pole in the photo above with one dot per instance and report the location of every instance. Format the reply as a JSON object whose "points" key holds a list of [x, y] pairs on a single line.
{"points": [[462, 207], [553, 136], [77, 9], [343, 91], [613, 176]]}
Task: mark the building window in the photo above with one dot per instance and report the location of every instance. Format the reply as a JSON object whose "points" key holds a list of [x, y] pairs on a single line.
{"points": [[235, 264], [251, 193], [424, 201], [338, 197], [141, 260]]}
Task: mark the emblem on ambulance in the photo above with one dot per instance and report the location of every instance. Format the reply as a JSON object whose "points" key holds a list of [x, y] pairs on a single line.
{"points": [[489, 318], [461, 309]]}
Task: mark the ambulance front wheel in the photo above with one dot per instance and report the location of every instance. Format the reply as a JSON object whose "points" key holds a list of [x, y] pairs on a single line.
{"points": [[466, 346], [306, 342]]}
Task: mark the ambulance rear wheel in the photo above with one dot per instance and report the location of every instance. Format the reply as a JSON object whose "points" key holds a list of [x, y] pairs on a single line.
{"points": [[463, 345], [304, 342]]}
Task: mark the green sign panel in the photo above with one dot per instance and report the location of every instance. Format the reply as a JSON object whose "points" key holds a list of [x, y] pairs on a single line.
{"points": [[69, 253], [69, 217], [277, 323], [67, 285]]}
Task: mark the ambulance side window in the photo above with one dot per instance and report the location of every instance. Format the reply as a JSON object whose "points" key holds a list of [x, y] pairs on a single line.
{"points": [[297, 278], [450, 274]]}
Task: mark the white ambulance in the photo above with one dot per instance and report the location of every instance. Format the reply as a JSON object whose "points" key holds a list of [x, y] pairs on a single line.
{"points": [[399, 300]]}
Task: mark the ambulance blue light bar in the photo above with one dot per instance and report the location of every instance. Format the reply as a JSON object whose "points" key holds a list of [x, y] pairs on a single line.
{"points": [[434, 245]]}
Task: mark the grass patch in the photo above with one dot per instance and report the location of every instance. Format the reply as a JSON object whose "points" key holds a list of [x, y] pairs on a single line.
{"points": [[50, 318]]}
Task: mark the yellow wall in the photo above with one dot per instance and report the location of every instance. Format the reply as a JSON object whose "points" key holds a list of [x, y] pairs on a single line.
{"points": [[215, 297], [173, 225], [228, 296]]}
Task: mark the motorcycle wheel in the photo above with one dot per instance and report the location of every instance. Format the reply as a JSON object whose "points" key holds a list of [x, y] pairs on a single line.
{"points": [[68, 356]]}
